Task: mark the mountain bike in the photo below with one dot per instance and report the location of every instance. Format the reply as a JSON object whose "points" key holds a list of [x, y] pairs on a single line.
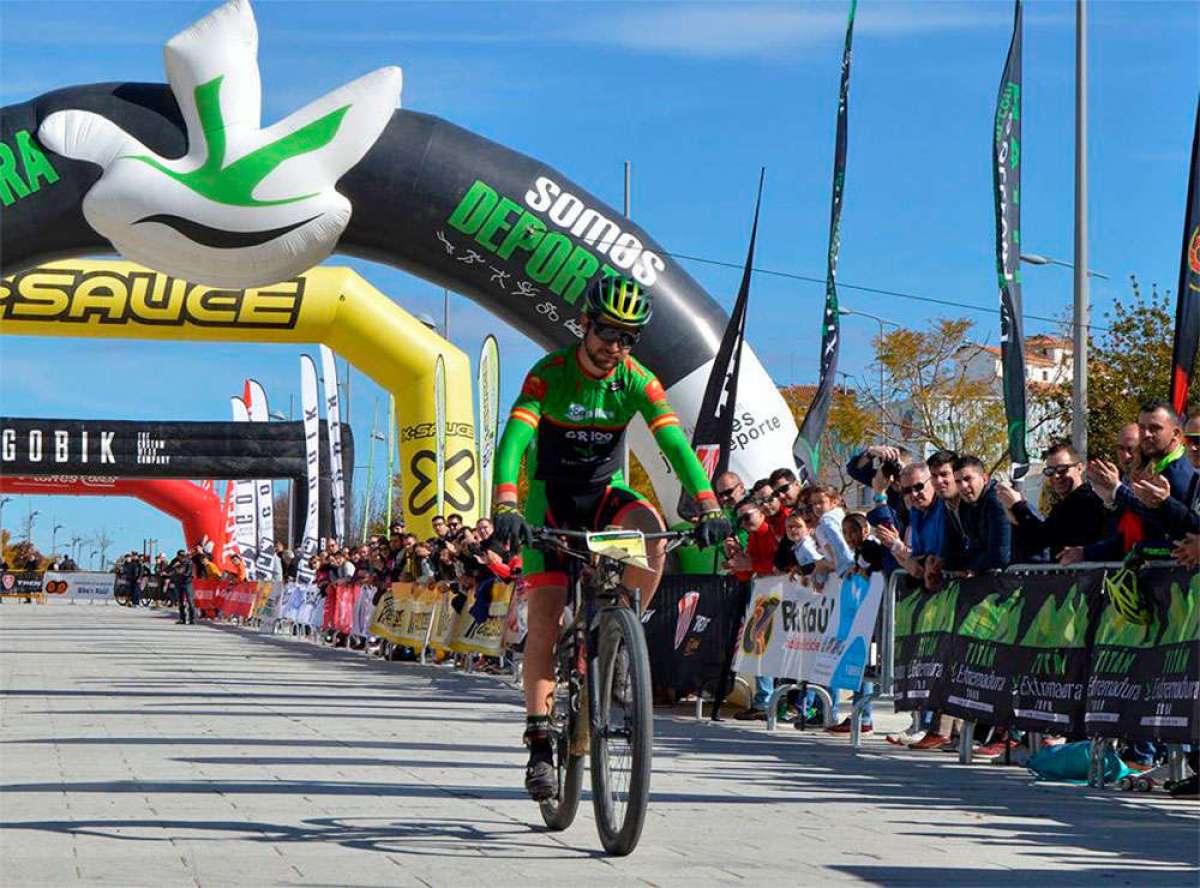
{"points": [[602, 698]]}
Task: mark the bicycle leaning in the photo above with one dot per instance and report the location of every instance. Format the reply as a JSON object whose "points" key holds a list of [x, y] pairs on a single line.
{"points": [[602, 697]]}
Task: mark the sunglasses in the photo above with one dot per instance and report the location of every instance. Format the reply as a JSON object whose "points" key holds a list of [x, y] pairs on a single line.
{"points": [[728, 491], [1058, 471], [914, 489], [626, 338], [745, 517], [1192, 439]]}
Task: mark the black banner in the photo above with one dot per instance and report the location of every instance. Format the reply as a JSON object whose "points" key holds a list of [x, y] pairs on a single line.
{"points": [[1019, 655], [1046, 651], [924, 623], [689, 626], [1006, 185], [137, 449], [1145, 678], [25, 583], [1187, 308], [806, 449], [713, 437]]}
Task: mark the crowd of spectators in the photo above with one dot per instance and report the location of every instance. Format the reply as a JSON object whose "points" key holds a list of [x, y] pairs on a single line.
{"points": [[949, 517]]}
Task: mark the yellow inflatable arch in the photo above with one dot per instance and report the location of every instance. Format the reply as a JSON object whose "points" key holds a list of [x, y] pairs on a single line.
{"points": [[334, 306]]}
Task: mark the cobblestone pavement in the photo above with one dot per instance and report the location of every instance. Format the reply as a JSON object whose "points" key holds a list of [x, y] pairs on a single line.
{"points": [[134, 752]]}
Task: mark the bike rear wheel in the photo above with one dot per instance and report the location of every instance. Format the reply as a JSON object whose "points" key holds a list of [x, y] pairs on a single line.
{"points": [[621, 747]]}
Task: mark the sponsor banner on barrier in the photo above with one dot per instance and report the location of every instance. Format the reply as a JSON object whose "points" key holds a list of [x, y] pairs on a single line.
{"points": [[391, 613], [824, 637], [1048, 651], [363, 609], [1145, 678], [78, 586], [923, 619], [236, 599], [1018, 655], [480, 628], [204, 595], [691, 628], [21, 583]]}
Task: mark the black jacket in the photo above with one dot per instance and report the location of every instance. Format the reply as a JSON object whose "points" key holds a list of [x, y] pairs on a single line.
{"points": [[988, 535], [1078, 519]]}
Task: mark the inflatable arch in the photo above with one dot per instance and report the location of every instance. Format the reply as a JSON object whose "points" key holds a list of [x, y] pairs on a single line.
{"points": [[330, 305], [198, 509], [142, 169], [135, 449]]}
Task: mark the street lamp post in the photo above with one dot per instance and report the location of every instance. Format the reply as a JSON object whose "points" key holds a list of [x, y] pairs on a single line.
{"points": [[29, 518], [1082, 297], [1079, 336], [54, 538], [881, 322]]}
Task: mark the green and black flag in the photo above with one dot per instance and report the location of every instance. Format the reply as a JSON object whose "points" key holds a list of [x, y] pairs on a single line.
{"points": [[1187, 308], [806, 449], [1006, 182], [713, 437]]}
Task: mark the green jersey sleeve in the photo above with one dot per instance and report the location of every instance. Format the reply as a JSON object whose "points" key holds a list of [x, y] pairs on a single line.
{"points": [[668, 435]]}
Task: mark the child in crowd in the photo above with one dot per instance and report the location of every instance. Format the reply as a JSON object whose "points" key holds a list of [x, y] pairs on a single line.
{"points": [[868, 552]]}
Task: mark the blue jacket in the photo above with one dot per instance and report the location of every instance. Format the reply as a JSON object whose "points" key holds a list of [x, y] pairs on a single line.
{"points": [[929, 529]]}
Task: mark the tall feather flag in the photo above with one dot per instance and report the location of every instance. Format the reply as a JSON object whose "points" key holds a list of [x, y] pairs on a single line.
{"points": [[309, 405], [806, 449], [714, 424], [439, 431], [255, 397], [1187, 307], [1006, 188], [488, 386]]}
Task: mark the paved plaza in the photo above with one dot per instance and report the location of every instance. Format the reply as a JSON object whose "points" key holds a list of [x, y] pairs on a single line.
{"points": [[134, 752]]}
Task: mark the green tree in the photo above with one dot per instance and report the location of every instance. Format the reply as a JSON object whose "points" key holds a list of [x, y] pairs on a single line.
{"points": [[930, 393], [1129, 363]]}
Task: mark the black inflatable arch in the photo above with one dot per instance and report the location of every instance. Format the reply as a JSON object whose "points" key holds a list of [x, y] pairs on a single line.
{"points": [[236, 451]]}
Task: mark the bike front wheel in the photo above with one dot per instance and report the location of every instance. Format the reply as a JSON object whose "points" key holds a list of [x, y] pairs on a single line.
{"points": [[622, 743]]}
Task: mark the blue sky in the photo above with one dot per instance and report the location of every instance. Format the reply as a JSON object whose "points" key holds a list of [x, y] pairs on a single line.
{"points": [[698, 97]]}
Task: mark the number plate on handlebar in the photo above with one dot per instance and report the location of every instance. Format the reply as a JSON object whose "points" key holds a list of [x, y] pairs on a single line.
{"points": [[626, 546]]}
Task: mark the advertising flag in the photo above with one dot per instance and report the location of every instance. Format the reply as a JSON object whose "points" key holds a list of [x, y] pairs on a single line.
{"points": [[229, 546], [245, 512], [489, 418], [806, 449], [439, 427], [256, 401], [391, 457], [1006, 187], [1187, 308], [714, 425], [312, 442], [333, 421]]}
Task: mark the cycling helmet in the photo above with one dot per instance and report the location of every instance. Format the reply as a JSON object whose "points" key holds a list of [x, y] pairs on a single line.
{"points": [[620, 301]]}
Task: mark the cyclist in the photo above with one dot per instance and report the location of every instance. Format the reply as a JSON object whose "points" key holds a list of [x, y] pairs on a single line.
{"points": [[573, 410]]}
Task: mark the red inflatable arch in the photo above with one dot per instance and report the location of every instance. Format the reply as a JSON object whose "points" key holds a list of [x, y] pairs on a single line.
{"points": [[197, 508]]}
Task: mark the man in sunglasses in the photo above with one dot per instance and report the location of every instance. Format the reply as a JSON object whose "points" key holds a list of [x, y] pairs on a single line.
{"points": [[927, 525], [1077, 519], [576, 403]]}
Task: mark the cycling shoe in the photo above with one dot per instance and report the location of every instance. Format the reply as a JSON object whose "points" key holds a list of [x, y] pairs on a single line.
{"points": [[541, 779]]}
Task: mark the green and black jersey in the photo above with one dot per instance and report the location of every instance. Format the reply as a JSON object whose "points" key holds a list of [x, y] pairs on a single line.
{"points": [[580, 421]]}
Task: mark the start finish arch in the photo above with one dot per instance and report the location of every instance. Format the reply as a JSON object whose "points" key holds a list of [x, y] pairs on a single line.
{"points": [[334, 306], [198, 508], [185, 178]]}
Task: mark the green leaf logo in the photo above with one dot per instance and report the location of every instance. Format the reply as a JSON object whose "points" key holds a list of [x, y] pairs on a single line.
{"points": [[995, 618], [1060, 627], [234, 185]]}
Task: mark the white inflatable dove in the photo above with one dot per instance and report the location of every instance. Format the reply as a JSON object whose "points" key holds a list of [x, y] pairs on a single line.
{"points": [[245, 206]]}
